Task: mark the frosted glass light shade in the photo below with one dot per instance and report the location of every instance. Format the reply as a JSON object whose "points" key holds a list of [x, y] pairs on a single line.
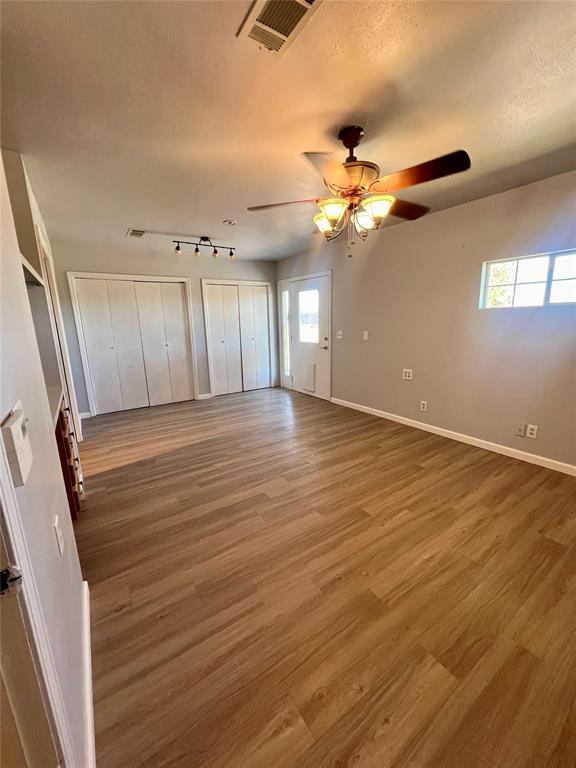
{"points": [[378, 206], [333, 209], [364, 220], [322, 223]]}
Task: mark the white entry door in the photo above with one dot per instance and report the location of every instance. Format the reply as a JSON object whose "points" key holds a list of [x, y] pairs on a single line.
{"points": [[310, 307]]}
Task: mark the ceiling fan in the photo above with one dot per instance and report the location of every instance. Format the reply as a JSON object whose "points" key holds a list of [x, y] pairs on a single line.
{"points": [[361, 199]]}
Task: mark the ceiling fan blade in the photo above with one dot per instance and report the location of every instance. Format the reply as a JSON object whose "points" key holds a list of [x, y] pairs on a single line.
{"points": [[404, 209], [334, 173], [446, 165], [277, 205]]}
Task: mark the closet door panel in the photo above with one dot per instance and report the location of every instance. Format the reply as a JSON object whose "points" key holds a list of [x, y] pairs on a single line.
{"points": [[151, 315], [248, 337], [232, 337], [177, 328], [214, 311], [261, 336], [99, 342], [126, 327]]}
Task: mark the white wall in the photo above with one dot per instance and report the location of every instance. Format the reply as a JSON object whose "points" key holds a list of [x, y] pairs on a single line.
{"points": [[415, 288], [58, 578], [146, 260]]}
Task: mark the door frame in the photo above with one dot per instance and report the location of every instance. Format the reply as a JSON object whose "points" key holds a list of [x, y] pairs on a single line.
{"points": [[284, 284], [271, 324], [73, 276]]}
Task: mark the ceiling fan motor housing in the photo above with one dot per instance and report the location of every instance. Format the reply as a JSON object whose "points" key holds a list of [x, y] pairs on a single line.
{"points": [[362, 173]]}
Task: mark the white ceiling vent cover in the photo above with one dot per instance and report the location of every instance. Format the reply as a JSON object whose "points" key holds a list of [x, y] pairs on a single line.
{"points": [[274, 24], [132, 232]]}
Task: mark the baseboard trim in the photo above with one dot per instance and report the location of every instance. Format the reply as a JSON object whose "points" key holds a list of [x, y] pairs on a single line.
{"points": [[205, 396], [90, 748], [514, 453], [85, 415]]}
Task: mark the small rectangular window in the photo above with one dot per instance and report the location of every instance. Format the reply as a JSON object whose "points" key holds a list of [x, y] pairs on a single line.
{"points": [[308, 318], [530, 281], [286, 333]]}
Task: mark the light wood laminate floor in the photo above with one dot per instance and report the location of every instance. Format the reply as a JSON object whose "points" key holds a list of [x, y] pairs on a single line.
{"points": [[278, 582]]}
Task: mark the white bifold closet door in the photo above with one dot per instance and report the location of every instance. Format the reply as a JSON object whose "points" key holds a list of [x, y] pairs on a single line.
{"points": [[238, 335], [255, 337], [223, 322], [137, 341]]}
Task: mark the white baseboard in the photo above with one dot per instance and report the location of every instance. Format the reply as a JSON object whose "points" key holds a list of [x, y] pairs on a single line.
{"points": [[515, 453], [205, 396], [85, 415], [90, 748]]}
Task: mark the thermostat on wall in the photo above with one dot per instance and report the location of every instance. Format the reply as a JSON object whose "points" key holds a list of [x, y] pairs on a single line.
{"points": [[17, 443]]}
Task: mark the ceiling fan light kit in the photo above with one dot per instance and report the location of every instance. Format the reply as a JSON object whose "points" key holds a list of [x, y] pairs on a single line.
{"points": [[361, 199]]}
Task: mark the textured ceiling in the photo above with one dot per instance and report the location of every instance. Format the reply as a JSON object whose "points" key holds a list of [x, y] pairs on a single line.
{"points": [[154, 115]]}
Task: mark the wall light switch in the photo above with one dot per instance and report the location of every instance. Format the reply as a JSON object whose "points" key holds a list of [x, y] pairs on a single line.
{"points": [[520, 430], [532, 431], [339, 335], [407, 374], [364, 335], [17, 443]]}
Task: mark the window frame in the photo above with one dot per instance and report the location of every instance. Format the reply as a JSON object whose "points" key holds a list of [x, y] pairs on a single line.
{"points": [[546, 303]]}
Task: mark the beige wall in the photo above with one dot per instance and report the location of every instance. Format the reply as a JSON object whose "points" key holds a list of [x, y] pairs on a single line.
{"points": [[415, 288], [143, 260], [57, 578]]}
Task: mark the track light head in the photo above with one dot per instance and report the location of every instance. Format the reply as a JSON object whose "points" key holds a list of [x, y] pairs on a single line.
{"points": [[177, 249], [231, 255], [197, 250], [215, 252]]}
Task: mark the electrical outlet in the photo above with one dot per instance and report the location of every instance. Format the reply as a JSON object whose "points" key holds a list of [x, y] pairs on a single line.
{"points": [[407, 374], [423, 405], [520, 430], [364, 335], [532, 431], [339, 335]]}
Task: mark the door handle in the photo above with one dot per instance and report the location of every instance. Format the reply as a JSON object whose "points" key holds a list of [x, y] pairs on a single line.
{"points": [[323, 347]]}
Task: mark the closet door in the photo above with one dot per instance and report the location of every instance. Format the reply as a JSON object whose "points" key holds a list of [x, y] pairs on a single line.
{"points": [[126, 327], [154, 344], [99, 342], [255, 336], [223, 324], [177, 325]]}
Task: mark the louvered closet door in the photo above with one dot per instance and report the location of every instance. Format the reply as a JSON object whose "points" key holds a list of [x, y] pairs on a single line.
{"points": [[154, 344], [255, 336], [177, 328], [99, 342], [128, 343]]}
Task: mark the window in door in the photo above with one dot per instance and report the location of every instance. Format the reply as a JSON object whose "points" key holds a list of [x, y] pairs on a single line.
{"points": [[308, 316], [286, 332]]}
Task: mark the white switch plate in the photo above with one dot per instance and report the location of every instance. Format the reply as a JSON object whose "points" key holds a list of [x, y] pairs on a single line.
{"points": [[407, 374], [423, 405], [520, 430], [365, 335], [339, 335], [59, 535], [532, 431]]}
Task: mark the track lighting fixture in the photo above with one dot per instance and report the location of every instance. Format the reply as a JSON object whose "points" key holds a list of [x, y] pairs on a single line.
{"points": [[204, 242]]}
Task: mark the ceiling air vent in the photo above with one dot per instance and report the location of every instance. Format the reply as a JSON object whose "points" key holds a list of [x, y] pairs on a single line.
{"points": [[274, 24], [136, 232]]}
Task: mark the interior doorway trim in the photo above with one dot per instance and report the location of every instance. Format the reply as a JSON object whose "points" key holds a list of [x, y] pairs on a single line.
{"points": [[271, 326], [73, 276], [282, 285]]}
